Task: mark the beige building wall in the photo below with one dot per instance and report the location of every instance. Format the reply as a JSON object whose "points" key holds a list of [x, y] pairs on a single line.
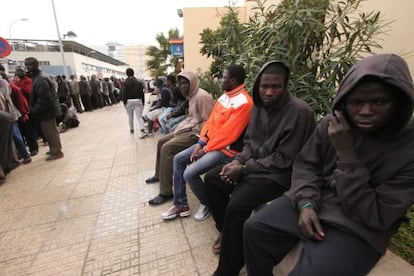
{"points": [[195, 20], [135, 57], [399, 39]]}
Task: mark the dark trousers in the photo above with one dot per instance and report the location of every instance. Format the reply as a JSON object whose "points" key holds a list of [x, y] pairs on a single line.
{"points": [[231, 206], [29, 134], [76, 103], [167, 147], [86, 101], [51, 134], [271, 233]]}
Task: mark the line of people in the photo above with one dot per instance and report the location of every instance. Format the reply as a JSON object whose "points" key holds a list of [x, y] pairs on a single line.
{"points": [[31, 107], [341, 186]]}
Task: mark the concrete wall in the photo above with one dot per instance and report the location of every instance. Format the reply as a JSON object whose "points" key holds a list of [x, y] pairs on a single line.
{"points": [[195, 20], [399, 39]]}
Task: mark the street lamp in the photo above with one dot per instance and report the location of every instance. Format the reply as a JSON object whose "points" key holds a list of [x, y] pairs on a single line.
{"points": [[62, 53], [10, 28], [17, 20]]}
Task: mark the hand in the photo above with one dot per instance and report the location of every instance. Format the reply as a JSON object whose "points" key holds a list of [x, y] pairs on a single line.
{"points": [[197, 153], [340, 135], [231, 172], [309, 224]]}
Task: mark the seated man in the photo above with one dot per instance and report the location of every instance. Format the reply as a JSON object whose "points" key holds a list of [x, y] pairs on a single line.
{"points": [[69, 119], [352, 183], [162, 103], [177, 101], [200, 106], [279, 126], [227, 121]]}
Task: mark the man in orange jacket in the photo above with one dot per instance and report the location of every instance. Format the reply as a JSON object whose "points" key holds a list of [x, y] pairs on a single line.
{"points": [[224, 127]]}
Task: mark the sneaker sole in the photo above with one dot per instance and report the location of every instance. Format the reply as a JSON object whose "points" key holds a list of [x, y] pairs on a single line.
{"points": [[203, 218], [182, 215]]}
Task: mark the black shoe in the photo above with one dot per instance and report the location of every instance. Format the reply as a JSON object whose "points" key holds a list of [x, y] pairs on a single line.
{"points": [[160, 199], [34, 152], [27, 160], [54, 156], [152, 179]]}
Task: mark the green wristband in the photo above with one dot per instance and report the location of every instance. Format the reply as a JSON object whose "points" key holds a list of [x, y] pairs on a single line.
{"points": [[306, 205]]}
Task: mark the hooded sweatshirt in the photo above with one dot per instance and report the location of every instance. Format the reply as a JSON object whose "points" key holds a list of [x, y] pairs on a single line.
{"points": [[370, 197], [200, 104], [275, 135]]}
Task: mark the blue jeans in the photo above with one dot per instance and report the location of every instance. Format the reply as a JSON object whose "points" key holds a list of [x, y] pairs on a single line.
{"points": [[161, 117], [174, 121], [184, 172], [19, 142]]}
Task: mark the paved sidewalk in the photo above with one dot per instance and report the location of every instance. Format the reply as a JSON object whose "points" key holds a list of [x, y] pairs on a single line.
{"points": [[88, 213]]}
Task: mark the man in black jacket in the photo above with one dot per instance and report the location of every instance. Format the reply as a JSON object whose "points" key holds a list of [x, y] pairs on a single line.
{"points": [[44, 106]]}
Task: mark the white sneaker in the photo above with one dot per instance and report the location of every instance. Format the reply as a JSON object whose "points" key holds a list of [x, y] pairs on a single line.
{"points": [[176, 211], [143, 134], [202, 213]]}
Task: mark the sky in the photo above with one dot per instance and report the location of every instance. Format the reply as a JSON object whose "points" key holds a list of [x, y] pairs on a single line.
{"points": [[96, 22]]}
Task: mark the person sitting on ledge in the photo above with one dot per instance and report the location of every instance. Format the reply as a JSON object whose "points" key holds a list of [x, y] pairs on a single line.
{"points": [[278, 128], [186, 134], [352, 183]]}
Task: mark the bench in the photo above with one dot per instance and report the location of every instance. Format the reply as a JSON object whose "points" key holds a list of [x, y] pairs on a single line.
{"points": [[389, 264]]}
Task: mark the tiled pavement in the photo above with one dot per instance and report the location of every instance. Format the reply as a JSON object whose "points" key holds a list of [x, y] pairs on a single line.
{"points": [[88, 213]]}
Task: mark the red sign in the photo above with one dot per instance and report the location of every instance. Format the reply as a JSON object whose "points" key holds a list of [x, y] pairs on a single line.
{"points": [[4, 48]]}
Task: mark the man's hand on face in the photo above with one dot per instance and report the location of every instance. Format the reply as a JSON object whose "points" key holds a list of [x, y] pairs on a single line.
{"points": [[339, 133], [309, 224]]}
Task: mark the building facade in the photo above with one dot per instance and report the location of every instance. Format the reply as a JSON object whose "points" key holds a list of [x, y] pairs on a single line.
{"points": [[79, 59]]}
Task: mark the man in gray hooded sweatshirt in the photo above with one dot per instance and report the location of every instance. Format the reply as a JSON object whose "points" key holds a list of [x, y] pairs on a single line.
{"points": [[352, 183]]}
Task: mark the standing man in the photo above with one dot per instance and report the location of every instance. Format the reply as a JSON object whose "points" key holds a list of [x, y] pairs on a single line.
{"points": [[21, 87], [226, 124], [134, 99], [200, 104], [352, 183], [45, 107], [74, 93], [279, 126]]}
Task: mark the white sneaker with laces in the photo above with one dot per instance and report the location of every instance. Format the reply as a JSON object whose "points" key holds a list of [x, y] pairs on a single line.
{"points": [[202, 213]]}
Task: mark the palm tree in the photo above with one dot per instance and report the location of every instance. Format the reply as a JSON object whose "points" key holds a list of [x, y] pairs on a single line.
{"points": [[160, 57]]}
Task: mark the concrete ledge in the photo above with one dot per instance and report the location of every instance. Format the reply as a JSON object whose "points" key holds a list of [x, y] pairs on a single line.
{"points": [[389, 264]]}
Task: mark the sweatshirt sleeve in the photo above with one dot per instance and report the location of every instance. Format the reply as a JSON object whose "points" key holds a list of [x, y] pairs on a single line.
{"points": [[377, 206], [307, 175]]}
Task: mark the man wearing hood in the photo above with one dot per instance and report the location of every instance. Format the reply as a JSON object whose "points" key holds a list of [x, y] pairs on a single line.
{"points": [[279, 126], [352, 183], [200, 104]]}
